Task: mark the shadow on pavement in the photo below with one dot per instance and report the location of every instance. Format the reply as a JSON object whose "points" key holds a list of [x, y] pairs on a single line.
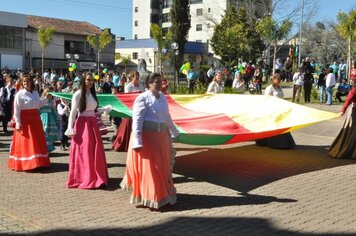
{"points": [[187, 202], [114, 184], [249, 167], [194, 226]]}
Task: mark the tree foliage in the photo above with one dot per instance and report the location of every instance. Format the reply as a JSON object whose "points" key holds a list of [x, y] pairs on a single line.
{"points": [[322, 42], [273, 32], [347, 29], [45, 36], [180, 13], [99, 42], [162, 40], [124, 60], [235, 37]]}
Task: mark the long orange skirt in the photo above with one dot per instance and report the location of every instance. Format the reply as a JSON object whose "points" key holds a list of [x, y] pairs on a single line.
{"points": [[149, 172], [28, 148]]}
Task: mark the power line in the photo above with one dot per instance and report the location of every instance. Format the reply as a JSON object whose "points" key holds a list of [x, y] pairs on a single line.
{"points": [[87, 4]]}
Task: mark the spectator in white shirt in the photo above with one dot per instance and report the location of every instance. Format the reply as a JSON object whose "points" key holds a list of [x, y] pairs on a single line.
{"points": [[298, 79], [134, 86], [216, 86], [330, 84]]}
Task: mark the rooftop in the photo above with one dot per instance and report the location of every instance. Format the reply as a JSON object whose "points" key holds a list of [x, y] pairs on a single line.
{"points": [[63, 26]]}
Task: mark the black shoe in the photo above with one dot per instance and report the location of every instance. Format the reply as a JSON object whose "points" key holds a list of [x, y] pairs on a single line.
{"points": [[63, 148]]}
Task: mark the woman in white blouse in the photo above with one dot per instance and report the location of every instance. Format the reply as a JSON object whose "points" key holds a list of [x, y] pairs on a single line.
{"points": [[134, 86], [149, 162], [238, 83], [285, 140], [87, 162], [216, 86], [28, 149]]}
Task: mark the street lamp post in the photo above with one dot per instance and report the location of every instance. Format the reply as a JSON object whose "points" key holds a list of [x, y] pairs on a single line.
{"points": [[175, 49], [72, 58], [300, 36]]}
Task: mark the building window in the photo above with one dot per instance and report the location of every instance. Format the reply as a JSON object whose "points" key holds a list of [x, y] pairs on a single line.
{"points": [[200, 12], [167, 3], [199, 27], [136, 23], [196, 1], [135, 36], [209, 9], [166, 17], [155, 18], [208, 25], [165, 31], [134, 55], [76, 47], [136, 9], [10, 37]]}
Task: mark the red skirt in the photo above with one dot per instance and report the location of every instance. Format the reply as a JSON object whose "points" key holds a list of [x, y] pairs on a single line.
{"points": [[123, 133], [149, 172], [28, 148]]}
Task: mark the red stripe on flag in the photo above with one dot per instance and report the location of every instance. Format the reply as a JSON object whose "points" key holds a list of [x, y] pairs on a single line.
{"points": [[194, 122]]}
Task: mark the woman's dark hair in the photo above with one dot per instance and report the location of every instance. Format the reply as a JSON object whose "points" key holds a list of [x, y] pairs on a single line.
{"points": [[30, 79], [83, 98], [150, 78]]}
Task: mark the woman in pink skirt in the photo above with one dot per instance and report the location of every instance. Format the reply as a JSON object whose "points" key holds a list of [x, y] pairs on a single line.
{"points": [[149, 162], [87, 162]]}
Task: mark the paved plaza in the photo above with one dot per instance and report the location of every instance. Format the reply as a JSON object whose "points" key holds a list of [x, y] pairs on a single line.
{"points": [[239, 189]]}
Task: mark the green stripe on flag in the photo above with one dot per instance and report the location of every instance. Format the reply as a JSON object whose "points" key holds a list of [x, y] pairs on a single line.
{"points": [[119, 109]]}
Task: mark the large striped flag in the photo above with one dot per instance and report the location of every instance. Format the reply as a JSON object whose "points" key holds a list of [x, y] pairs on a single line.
{"points": [[224, 118]]}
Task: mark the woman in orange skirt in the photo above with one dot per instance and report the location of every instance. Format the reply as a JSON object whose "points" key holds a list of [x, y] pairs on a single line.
{"points": [[149, 162], [28, 148]]}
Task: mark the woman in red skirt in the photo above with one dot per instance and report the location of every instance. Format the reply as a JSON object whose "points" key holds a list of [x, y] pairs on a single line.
{"points": [[149, 162], [87, 162], [28, 148]]}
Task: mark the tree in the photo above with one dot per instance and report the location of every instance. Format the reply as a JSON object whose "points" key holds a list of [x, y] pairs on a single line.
{"points": [[99, 42], [273, 32], [45, 36], [347, 29], [161, 40], [180, 13], [235, 38], [124, 60], [322, 42]]}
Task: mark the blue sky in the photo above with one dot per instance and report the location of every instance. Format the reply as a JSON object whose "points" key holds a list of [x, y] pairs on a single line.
{"points": [[117, 14]]}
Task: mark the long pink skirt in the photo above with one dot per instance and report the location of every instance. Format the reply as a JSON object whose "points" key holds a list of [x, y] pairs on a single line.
{"points": [[87, 162], [149, 172]]}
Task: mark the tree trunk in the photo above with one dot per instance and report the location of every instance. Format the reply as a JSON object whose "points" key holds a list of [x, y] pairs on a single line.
{"points": [[274, 57], [42, 60], [98, 64], [160, 62], [349, 63]]}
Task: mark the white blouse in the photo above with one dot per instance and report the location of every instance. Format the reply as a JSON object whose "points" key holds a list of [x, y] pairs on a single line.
{"points": [[91, 104], [149, 108], [214, 87], [25, 100], [131, 88], [276, 92]]}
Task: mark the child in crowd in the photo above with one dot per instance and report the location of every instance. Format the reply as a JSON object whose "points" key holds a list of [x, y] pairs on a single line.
{"points": [[63, 110], [49, 118]]}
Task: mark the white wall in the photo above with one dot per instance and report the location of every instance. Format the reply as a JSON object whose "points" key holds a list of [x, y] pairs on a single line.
{"points": [[13, 19], [55, 50], [143, 16], [143, 53], [12, 62]]}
